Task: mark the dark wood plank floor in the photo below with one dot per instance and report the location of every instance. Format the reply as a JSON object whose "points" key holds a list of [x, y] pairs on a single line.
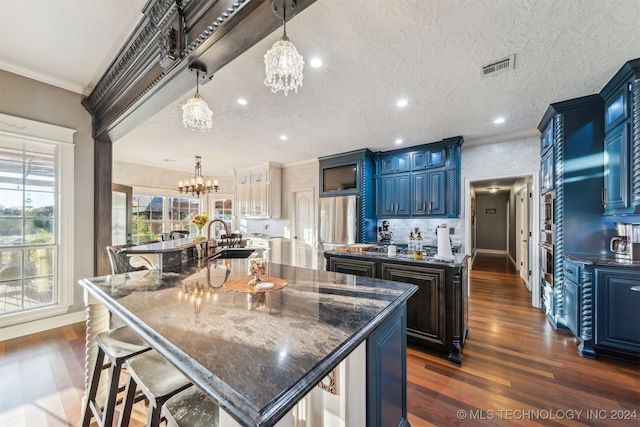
{"points": [[517, 370]]}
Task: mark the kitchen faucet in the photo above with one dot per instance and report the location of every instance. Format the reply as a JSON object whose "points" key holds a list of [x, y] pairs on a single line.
{"points": [[226, 231]]}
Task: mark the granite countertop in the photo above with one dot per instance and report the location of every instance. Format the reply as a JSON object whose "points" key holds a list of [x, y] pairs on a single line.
{"points": [[460, 260], [165, 246], [602, 260], [254, 354]]}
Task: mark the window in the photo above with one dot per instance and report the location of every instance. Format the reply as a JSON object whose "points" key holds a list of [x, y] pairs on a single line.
{"points": [[222, 209], [155, 215], [36, 219]]}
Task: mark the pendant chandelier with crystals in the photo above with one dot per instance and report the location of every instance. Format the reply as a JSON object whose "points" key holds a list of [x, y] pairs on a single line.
{"points": [[196, 113], [198, 185], [283, 63]]}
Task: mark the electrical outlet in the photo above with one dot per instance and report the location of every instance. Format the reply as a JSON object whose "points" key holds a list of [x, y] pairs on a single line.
{"points": [[452, 230]]}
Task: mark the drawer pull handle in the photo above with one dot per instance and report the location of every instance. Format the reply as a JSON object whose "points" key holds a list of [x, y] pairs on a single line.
{"points": [[635, 288]]}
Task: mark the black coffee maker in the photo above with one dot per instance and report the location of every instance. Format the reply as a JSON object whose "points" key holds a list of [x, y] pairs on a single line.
{"points": [[385, 234]]}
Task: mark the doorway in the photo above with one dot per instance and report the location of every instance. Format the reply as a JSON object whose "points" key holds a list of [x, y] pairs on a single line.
{"points": [[121, 214], [519, 223]]}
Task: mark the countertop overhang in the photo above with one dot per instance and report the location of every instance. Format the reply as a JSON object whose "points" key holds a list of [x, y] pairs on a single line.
{"points": [[459, 260], [256, 355], [602, 260]]}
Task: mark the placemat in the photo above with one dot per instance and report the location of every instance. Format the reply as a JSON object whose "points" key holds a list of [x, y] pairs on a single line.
{"points": [[242, 285]]}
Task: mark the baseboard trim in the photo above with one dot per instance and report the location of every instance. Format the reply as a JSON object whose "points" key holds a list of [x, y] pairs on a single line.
{"points": [[491, 251], [41, 325]]}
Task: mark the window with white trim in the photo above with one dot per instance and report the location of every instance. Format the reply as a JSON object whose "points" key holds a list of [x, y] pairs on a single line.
{"points": [[36, 217], [155, 215]]}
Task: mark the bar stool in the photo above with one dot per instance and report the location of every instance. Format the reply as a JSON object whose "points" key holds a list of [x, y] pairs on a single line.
{"points": [[117, 345], [191, 408], [158, 380]]}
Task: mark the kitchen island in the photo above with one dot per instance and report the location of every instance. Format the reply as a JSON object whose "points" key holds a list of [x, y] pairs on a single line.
{"points": [[258, 355], [437, 314], [167, 255]]}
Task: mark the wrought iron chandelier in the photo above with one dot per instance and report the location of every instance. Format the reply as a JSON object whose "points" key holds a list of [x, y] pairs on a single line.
{"points": [[196, 113], [198, 185], [283, 63]]}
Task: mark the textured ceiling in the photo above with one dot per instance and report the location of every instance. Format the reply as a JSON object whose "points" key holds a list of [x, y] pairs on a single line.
{"points": [[375, 52]]}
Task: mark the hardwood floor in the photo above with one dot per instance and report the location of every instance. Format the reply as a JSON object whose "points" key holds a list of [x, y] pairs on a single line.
{"points": [[517, 370]]}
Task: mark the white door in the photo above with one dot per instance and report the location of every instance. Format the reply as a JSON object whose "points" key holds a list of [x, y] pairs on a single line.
{"points": [[523, 199], [302, 230]]}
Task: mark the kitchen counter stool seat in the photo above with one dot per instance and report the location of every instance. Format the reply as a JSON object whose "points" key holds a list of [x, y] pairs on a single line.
{"points": [[116, 345], [158, 380], [191, 408]]}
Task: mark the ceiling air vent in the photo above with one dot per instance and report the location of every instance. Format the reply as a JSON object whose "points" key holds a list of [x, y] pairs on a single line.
{"points": [[498, 67]]}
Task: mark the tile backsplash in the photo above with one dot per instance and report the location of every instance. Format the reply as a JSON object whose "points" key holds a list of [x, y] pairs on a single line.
{"points": [[401, 228]]}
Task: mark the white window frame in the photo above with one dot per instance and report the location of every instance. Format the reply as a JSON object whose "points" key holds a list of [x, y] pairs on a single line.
{"points": [[62, 138]]}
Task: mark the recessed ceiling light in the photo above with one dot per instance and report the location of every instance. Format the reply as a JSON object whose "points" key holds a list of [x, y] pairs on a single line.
{"points": [[493, 189], [315, 62], [242, 101], [399, 141], [402, 103], [283, 137], [499, 120]]}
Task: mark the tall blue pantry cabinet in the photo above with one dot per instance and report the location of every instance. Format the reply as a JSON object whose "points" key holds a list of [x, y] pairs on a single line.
{"points": [[572, 157]]}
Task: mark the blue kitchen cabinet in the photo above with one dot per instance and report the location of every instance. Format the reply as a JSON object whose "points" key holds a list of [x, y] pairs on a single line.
{"points": [[616, 182], [428, 190], [572, 174], [395, 196], [426, 159], [617, 313], [395, 163], [547, 178], [571, 296], [622, 141], [546, 140]]}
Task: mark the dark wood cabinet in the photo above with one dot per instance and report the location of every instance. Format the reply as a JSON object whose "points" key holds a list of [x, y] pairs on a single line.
{"points": [[425, 309], [437, 314], [356, 267]]}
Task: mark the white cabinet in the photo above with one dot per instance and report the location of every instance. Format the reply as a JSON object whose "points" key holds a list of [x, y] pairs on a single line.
{"points": [[258, 191]]}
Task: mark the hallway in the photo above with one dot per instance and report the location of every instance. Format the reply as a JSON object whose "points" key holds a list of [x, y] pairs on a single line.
{"points": [[516, 368]]}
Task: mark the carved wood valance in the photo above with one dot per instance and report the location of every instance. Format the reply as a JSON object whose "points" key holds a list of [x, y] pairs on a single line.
{"points": [[150, 71]]}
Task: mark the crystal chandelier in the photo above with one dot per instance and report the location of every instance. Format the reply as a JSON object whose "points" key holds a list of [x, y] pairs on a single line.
{"points": [[196, 113], [197, 184], [283, 63]]}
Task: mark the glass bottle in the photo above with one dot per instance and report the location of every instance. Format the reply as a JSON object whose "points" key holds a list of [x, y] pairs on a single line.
{"points": [[411, 246], [419, 254]]}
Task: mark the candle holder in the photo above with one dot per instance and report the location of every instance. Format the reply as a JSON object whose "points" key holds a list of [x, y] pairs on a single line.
{"points": [[257, 267]]}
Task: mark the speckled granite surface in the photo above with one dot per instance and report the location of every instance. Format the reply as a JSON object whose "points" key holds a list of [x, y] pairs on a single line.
{"points": [[603, 260], [256, 355], [460, 260]]}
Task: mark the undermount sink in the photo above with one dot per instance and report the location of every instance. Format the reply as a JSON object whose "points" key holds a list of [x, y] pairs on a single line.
{"points": [[235, 253]]}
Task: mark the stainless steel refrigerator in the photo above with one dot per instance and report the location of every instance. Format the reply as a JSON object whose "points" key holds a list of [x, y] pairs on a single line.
{"points": [[338, 218]]}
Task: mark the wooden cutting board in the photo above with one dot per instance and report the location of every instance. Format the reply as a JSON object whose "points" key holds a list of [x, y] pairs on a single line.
{"points": [[242, 285]]}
